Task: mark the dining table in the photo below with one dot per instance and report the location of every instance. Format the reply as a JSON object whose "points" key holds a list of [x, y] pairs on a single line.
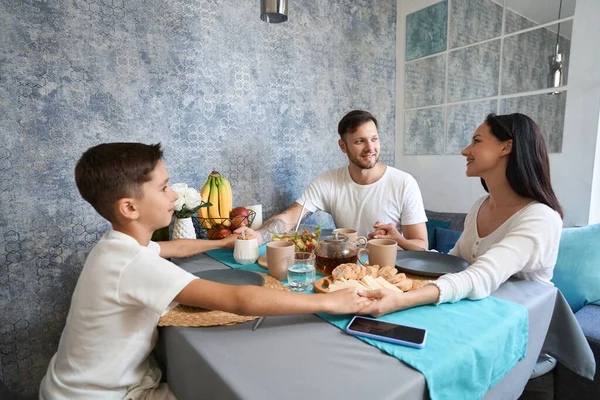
{"points": [[303, 356]]}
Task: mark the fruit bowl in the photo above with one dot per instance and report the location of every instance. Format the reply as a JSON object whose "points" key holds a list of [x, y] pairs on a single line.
{"points": [[219, 228]]}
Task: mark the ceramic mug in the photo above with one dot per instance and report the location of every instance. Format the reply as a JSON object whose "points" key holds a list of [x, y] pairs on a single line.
{"points": [[280, 255], [245, 251], [352, 236], [381, 252]]}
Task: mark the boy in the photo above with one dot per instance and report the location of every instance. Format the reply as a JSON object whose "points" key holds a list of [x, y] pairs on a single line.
{"points": [[127, 284]]}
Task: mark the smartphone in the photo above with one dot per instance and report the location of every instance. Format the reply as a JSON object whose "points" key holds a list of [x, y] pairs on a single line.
{"points": [[387, 332]]}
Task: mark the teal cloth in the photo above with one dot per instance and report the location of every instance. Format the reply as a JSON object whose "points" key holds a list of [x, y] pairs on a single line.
{"points": [[470, 345], [226, 257], [577, 269]]}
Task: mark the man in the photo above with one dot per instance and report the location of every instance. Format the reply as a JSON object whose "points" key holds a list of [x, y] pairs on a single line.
{"points": [[364, 195]]}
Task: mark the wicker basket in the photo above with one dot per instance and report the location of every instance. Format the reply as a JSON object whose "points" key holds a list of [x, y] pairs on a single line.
{"points": [[218, 228]]}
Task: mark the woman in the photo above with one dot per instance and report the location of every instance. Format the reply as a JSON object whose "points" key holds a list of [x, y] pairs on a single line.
{"points": [[514, 230]]}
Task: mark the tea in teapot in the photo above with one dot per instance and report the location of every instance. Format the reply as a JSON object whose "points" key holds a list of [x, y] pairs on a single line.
{"points": [[333, 251]]}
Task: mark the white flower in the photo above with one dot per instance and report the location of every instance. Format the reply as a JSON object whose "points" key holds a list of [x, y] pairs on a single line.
{"points": [[178, 205], [192, 198], [179, 188], [188, 200]]}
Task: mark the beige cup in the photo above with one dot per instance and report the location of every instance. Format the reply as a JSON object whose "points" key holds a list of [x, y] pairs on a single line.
{"points": [[280, 255], [381, 252], [352, 236]]}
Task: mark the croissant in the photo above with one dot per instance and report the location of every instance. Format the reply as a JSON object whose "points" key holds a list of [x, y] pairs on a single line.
{"points": [[387, 272], [399, 277]]}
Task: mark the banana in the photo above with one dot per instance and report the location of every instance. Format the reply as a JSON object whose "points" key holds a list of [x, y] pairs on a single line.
{"points": [[213, 198], [225, 197], [203, 211]]}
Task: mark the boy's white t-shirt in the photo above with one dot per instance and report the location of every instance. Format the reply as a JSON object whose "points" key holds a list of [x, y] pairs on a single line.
{"points": [[395, 198], [123, 290]]}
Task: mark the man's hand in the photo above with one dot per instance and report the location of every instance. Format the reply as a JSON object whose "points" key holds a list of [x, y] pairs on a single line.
{"points": [[385, 231], [414, 237], [346, 301]]}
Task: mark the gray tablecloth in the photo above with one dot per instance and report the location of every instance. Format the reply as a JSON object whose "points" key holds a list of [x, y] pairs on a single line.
{"points": [[297, 357]]}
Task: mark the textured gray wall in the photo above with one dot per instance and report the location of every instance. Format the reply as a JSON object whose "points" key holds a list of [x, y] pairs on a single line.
{"points": [[218, 87], [456, 101]]}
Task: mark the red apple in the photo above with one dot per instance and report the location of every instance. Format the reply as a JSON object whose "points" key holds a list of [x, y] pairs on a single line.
{"points": [[239, 217], [215, 233]]}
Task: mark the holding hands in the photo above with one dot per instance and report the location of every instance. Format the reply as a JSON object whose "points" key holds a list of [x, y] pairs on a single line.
{"points": [[385, 231], [347, 301], [413, 237], [383, 301]]}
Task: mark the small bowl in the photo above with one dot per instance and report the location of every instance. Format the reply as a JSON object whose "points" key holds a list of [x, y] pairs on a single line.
{"points": [[302, 240]]}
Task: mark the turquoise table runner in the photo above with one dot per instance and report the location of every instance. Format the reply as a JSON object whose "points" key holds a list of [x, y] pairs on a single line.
{"points": [[471, 345], [226, 257]]}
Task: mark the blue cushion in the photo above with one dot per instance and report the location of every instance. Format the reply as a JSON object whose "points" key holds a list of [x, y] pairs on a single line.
{"points": [[588, 318], [431, 225], [577, 270], [445, 239]]}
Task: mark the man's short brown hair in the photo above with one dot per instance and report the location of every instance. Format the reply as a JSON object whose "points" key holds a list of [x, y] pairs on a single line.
{"points": [[109, 172], [351, 121]]}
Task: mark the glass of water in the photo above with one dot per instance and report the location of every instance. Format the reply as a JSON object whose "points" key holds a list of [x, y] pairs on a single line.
{"points": [[301, 273]]}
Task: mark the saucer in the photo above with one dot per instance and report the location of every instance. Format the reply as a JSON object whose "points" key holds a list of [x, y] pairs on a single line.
{"points": [[262, 261]]}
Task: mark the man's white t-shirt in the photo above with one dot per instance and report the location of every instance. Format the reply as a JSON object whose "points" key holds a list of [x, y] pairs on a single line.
{"points": [[395, 198], [122, 291]]}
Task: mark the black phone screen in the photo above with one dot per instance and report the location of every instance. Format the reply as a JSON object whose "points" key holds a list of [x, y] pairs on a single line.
{"points": [[387, 329]]}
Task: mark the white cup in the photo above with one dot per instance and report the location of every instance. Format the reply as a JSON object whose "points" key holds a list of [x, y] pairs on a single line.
{"points": [[245, 251], [258, 218]]}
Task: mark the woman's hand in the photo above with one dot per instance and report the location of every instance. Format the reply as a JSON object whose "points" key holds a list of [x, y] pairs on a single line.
{"points": [[346, 301], [384, 302], [385, 231]]}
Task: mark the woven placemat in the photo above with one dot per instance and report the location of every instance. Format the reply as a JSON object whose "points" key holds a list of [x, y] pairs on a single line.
{"points": [[194, 316]]}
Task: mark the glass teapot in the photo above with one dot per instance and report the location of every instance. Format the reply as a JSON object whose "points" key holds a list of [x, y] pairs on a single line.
{"points": [[335, 250]]}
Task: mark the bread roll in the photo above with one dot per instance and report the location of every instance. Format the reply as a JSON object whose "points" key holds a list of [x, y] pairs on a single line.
{"points": [[405, 285]]}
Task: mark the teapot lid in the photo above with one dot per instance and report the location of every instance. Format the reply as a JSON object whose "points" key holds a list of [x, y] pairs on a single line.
{"points": [[336, 238]]}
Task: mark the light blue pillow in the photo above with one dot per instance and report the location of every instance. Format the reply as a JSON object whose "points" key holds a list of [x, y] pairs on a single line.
{"points": [[431, 225], [577, 270], [445, 239]]}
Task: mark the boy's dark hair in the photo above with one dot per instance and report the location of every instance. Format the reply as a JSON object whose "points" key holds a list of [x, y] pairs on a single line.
{"points": [[111, 171], [351, 121], [528, 168]]}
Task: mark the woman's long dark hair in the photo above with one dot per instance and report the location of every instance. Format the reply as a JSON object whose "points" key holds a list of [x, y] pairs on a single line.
{"points": [[528, 169]]}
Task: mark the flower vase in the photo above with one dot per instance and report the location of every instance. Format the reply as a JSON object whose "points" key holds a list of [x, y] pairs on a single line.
{"points": [[184, 229]]}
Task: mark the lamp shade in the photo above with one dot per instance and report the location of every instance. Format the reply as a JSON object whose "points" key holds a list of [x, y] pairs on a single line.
{"points": [[274, 11]]}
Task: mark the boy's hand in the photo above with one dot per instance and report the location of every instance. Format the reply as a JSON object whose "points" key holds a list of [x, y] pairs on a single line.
{"points": [[249, 233], [346, 301], [228, 242]]}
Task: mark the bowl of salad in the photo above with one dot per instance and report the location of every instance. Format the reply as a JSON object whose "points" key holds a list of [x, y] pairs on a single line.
{"points": [[306, 239]]}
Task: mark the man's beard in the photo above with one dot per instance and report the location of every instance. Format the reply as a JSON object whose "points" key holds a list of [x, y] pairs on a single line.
{"points": [[365, 165]]}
